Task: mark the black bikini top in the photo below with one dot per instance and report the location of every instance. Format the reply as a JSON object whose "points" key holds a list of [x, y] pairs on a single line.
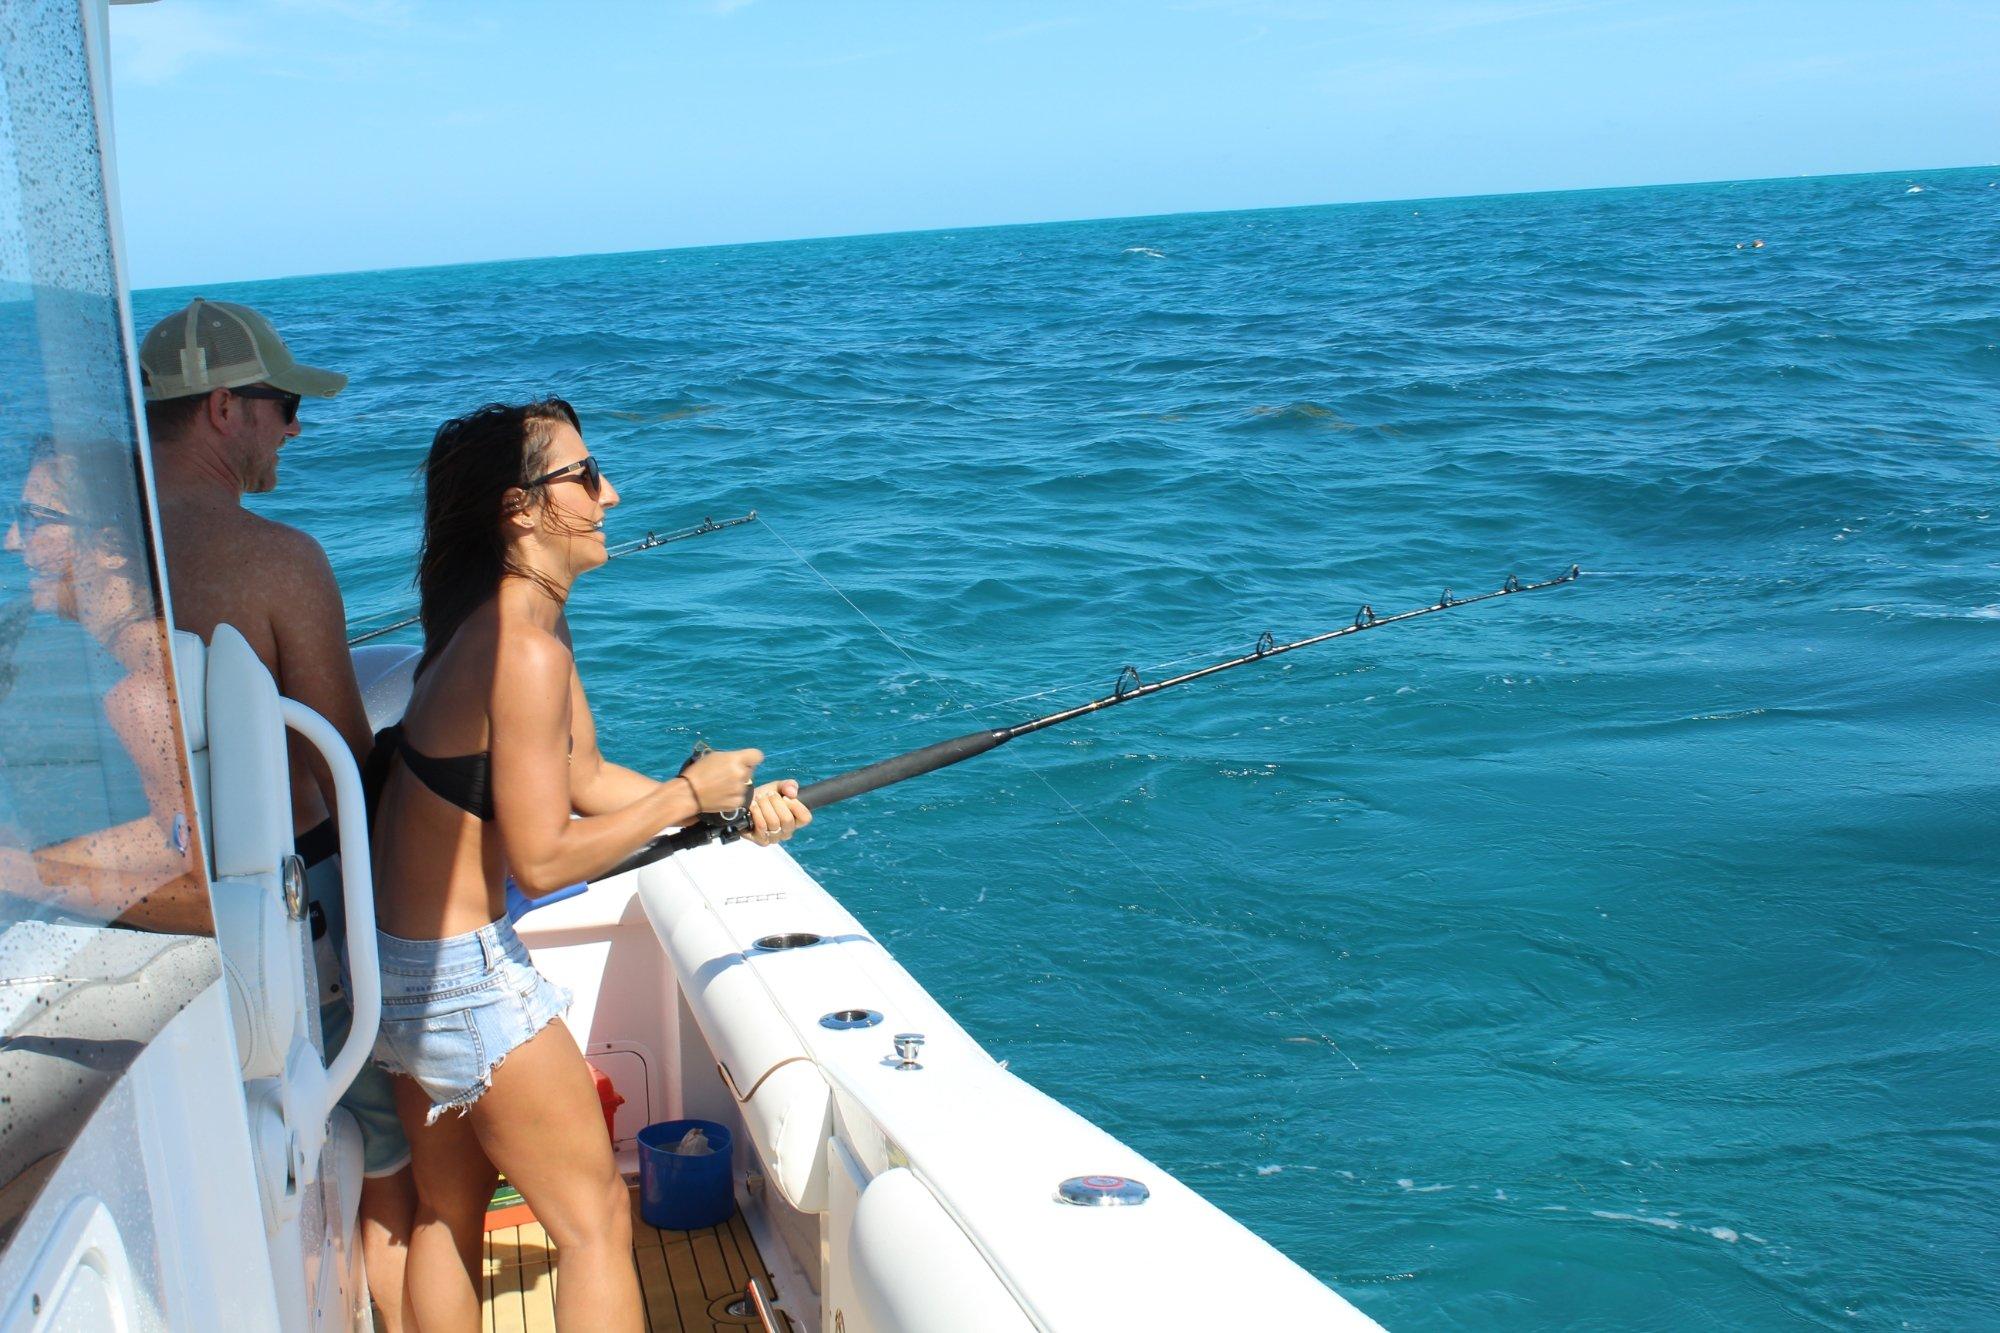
{"points": [[465, 780]]}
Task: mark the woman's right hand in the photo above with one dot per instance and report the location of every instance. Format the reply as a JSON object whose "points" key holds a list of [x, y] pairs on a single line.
{"points": [[723, 779]]}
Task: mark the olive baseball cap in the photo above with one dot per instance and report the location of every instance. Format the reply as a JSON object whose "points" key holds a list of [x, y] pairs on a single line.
{"points": [[221, 345]]}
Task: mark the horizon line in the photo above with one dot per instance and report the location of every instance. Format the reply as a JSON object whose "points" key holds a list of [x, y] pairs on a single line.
{"points": [[1056, 222]]}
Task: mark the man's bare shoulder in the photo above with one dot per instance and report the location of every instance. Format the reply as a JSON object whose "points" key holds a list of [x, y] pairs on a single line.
{"points": [[287, 562], [207, 531], [282, 541], [229, 565]]}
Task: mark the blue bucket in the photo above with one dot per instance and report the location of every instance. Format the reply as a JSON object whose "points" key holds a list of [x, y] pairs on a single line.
{"points": [[680, 1193]]}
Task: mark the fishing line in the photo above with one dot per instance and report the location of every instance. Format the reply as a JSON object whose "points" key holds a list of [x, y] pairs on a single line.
{"points": [[1192, 918], [797, 555]]}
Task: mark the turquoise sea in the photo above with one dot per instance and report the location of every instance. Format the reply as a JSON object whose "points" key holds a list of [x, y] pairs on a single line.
{"points": [[1620, 957]]}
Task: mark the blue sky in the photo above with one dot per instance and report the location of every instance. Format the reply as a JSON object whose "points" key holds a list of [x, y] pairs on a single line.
{"points": [[313, 136]]}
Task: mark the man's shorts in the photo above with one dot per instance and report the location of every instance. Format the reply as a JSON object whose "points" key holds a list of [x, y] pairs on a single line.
{"points": [[371, 1098]]}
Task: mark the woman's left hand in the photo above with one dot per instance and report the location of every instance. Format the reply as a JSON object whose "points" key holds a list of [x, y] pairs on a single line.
{"points": [[775, 812]]}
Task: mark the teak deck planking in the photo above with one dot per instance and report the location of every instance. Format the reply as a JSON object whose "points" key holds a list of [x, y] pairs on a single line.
{"points": [[686, 1277]]}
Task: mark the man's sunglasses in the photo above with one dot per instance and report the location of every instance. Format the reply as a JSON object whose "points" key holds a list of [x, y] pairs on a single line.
{"points": [[584, 470], [288, 402]]}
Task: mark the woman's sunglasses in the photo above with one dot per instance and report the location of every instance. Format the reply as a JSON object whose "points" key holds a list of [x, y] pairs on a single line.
{"points": [[28, 516], [584, 470], [287, 402]]}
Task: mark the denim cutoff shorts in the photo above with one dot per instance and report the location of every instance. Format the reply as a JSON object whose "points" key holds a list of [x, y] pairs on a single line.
{"points": [[453, 1009]]}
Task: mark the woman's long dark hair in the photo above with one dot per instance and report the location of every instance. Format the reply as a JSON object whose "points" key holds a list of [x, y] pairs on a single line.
{"points": [[474, 460]]}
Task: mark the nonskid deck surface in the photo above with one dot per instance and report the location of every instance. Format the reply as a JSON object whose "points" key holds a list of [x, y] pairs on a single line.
{"points": [[688, 1278]]}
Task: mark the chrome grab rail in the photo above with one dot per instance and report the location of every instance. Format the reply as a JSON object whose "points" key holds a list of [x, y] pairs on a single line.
{"points": [[357, 888]]}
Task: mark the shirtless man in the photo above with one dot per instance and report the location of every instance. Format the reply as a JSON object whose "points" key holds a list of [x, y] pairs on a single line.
{"points": [[222, 398]]}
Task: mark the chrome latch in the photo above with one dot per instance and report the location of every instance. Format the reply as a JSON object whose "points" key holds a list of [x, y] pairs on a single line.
{"points": [[292, 876]]}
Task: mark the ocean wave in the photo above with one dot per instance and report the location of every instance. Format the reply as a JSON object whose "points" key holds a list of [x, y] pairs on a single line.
{"points": [[1303, 413], [1991, 611]]}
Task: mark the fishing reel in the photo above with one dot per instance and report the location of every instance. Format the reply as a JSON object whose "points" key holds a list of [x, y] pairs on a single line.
{"points": [[708, 826], [722, 825], [728, 824]]}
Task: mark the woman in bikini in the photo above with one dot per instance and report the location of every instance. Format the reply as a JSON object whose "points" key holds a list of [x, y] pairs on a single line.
{"points": [[495, 754]]}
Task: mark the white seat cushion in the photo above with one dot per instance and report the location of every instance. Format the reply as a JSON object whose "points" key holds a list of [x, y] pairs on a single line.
{"points": [[250, 790]]}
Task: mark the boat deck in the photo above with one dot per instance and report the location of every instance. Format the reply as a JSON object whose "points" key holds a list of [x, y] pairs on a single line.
{"points": [[690, 1279]]}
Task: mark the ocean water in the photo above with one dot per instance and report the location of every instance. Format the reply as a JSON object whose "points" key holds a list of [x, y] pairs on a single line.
{"points": [[1622, 956]]}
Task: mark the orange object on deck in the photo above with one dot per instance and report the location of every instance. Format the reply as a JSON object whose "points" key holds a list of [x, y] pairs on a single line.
{"points": [[507, 1208], [608, 1098]]}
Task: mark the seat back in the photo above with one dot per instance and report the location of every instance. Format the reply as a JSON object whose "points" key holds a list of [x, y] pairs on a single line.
{"points": [[249, 777], [236, 739]]}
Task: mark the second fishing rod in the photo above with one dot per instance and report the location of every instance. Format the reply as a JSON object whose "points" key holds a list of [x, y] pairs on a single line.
{"points": [[645, 543], [1130, 687]]}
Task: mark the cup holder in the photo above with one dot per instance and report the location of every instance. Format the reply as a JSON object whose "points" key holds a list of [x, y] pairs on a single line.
{"points": [[846, 1020], [795, 940]]}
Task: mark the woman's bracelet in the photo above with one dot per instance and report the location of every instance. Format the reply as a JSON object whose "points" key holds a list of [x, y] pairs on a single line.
{"points": [[682, 777]]}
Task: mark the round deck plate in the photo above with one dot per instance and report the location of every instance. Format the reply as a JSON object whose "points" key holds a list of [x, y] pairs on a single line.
{"points": [[1102, 1191]]}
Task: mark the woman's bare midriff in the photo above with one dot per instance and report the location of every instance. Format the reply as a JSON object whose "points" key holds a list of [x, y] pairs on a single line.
{"points": [[437, 869]]}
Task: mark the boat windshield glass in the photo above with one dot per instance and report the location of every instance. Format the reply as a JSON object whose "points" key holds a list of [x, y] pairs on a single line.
{"points": [[105, 926]]}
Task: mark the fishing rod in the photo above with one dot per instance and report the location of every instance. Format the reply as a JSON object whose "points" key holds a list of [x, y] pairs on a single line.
{"points": [[857, 781], [645, 543]]}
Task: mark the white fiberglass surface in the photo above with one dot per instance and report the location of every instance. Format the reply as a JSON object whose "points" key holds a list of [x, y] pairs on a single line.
{"points": [[989, 1148]]}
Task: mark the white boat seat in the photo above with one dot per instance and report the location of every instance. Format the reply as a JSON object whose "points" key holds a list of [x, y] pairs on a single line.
{"points": [[236, 739], [236, 726], [249, 775]]}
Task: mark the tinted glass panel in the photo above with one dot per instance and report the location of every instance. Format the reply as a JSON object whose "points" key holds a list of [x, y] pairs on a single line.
{"points": [[104, 918]]}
